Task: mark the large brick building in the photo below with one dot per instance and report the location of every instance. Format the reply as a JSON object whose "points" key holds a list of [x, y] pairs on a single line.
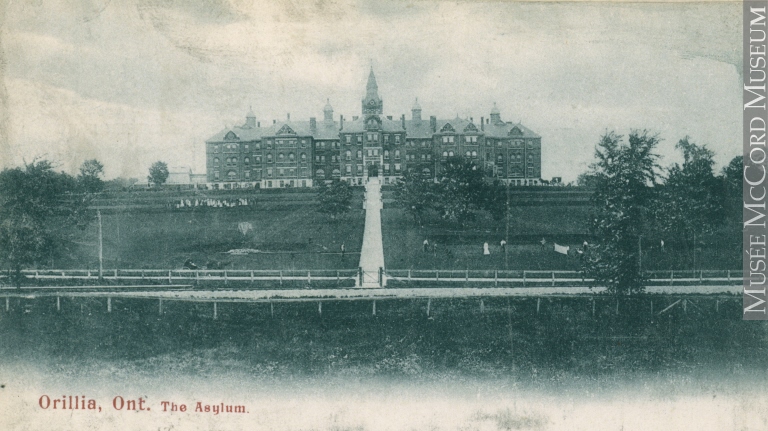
{"points": [[300, 153]]}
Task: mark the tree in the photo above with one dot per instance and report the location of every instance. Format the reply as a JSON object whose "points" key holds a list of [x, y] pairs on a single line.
{"points": [[37, 205], [691, 201], [415, 194], [624, 178], [90, 176], [158, 173], [334, 199], [460, 191], [496, 200]]}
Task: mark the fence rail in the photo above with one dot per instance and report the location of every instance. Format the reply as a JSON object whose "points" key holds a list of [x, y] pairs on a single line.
{"points": [[391, 278]]}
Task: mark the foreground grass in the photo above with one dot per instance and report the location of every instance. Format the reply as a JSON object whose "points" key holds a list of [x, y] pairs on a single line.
{"points": [[507, 340]]}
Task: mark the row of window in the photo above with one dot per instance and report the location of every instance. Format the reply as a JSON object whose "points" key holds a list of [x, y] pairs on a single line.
{"points": [[373, 137], [514, 158]]}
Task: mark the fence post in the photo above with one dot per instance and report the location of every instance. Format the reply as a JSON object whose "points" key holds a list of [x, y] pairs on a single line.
{"points": [[729, 276], [58, 303], [251, 277], [309, 277], [523, 278], [7, 304], [160, 306], [360, 274], [553, 278], [717, 305], [109, 305], [496, 278], [197, 278], [142, 275], [319, 308], [409, 275], [89, 274], [701, 276], [225, 277], [374, 308], [115, 274], [671, 277], [36, 275], [593, 307], [271, 309], [651, 307], [429, 305], [381, 277], [538, 305], [281, 277], [215, 311], [437, 275], [170, 279], [482, 306], [617, 306], [466, 276], [337, 278]]}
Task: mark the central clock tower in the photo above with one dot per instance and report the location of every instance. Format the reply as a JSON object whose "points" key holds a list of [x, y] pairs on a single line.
{"points": [[372, 103]]}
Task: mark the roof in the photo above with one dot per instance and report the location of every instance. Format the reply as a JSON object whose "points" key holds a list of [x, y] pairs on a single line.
{"points": [[387, 125], [324, 130], [502, 130], [457, 125], [417, 129]]}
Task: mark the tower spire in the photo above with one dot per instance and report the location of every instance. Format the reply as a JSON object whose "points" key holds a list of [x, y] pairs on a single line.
{"points": [[372, 104]]}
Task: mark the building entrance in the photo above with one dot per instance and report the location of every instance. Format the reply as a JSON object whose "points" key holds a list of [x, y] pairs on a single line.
{"points": [[373, 170]]}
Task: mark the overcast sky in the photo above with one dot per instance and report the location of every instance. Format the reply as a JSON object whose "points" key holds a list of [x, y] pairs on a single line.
{"points": [[133, 82]]}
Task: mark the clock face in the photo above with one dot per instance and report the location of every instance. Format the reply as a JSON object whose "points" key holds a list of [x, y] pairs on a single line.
{"points": [[372, 103]]}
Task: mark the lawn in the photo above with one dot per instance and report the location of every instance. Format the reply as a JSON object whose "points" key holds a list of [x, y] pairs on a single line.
{"points": [[451, 247], [288, 235]]}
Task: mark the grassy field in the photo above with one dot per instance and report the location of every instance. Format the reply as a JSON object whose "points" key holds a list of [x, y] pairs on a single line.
{"points": [[507, 341], [287, 235], [454, 248]]}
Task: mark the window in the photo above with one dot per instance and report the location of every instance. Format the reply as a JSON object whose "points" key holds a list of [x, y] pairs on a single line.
{"points": [[530, 144], [445, 154], [359, 139], [234, 160], [216, 148], [386, 168], [370, 153], [500, 159], [470, 139], [257, 158], [397, 139], [317, 158], [426, 172], [303, 157], [359, 169], [303, 142], [215, 160], [397, 167], [386, 154], [450, 153], [247, 174], [397, 154], [291, 156], [281, 171], [269, 158], [246, 147], [281, 157], [320, 174], [216, 174], [257, 146], [386, 139], [447, 139], [231, 175], [348, 169], [423, 157], [247, 160], [429, 156], [359, 154], [474, 154], [348, 139], [349, 155], [469, 154], [336, 173]]}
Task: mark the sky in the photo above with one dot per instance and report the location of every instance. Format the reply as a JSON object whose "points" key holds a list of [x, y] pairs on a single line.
{"points": [[132, 82]]}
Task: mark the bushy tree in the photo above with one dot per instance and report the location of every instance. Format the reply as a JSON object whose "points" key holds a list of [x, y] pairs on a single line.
{"points": [[416, 195], [691, 201], [461, 190], [158, 173], [625, 175], [496, 200], [37, 205], [335, 198], [90, 176]]}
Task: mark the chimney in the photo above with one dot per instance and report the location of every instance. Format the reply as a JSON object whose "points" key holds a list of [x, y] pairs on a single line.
{"points": [[389, 117], [274, 122], [433, 123], [471, 120], [402, 120], [289, 116], [354, 118], [313, 125], [341, 122], [258, 124], [482, 123]]}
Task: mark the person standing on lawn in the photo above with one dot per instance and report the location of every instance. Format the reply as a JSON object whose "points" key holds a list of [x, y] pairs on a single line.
{"points": [[486, 251], [503, 244], [426, 245]]}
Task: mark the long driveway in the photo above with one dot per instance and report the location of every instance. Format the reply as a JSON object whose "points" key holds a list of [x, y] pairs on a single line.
{"points": [[372, 253]]}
